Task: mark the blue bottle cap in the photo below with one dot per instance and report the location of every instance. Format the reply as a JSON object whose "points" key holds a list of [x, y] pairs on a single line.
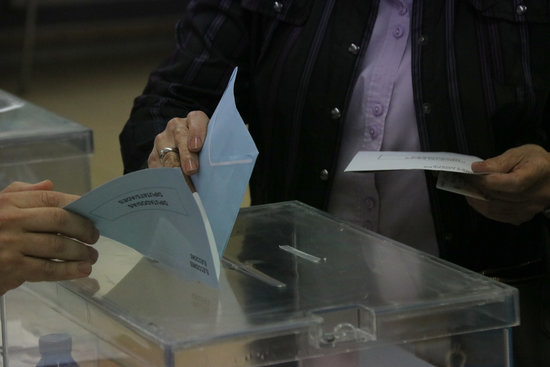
{"points": [[55, 343]]}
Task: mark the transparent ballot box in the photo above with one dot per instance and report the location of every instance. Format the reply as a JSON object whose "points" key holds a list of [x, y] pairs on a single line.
{"points": [[36, 144], [297, 287]]}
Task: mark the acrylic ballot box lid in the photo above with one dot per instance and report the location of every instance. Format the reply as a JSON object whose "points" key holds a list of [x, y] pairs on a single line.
{"points": [[28, 133], [295, 284]]}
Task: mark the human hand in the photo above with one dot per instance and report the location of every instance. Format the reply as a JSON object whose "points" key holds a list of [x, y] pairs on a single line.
{"points": [[517, 184], [39, 240], [187, 135]]}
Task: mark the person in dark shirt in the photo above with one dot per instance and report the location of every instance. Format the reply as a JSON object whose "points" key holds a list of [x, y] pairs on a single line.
{"points": [[320, 80]]}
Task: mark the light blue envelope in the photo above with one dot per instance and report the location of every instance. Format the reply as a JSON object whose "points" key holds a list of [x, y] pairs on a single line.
{"points": [[154, 212], [226, 162]]}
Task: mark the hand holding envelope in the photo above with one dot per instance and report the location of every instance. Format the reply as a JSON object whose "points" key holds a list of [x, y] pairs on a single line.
{"points": [[180, 143], [517, 183], [155, 212]]}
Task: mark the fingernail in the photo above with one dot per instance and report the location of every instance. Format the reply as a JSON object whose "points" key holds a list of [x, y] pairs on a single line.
{"points": [[85, 268], [195, 142], [93, 255], [96, 234], [190, 166]]}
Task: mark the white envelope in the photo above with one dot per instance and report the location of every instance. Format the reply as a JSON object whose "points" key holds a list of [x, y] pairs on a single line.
{"points": [[452, 167], [391, 160]]}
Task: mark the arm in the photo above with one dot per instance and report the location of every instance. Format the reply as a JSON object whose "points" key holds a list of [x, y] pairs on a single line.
{"points": [[517, 184], [35, 230]]}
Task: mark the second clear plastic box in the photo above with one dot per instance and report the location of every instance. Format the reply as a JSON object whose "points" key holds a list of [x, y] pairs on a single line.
{"points": [[36, 144]]}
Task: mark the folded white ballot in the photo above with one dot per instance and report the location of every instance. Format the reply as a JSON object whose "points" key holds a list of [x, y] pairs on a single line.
{"points": [[391, 160], [452, 166], [155, 212]]}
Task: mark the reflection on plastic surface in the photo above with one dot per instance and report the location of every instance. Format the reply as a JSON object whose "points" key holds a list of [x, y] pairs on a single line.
{"points": [[9, 102], [250, 270], [302, 254]]}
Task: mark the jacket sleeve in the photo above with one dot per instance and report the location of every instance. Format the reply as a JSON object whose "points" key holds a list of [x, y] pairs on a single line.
{"points": [[210, 41]]}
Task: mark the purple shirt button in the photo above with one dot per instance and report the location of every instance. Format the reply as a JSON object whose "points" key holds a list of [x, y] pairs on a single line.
{"points": [[403, 10], [398, 31], [373, 132], [377, 109]]}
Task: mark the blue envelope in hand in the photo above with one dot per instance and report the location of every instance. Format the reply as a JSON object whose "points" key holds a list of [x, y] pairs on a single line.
{"points": [[154, 211], [226, 162]]}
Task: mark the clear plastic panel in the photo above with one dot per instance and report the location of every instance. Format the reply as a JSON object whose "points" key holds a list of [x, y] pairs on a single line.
{"points": [[338, 291], [36, 144]]}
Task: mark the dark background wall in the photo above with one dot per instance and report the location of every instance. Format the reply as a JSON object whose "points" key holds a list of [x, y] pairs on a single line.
{"points": [[66, 29]]}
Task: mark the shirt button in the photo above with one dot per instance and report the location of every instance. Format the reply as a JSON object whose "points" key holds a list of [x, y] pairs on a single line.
{"points": [[335, 113], [353, 49], [398, 31], [422, 40], [277, 6], [373, 132], [377, 109], [521, 9], [427, 108], [324, 175], [403, 10]]}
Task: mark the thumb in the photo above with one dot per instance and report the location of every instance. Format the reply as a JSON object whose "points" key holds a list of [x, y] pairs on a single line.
{"points": [[500, 164]]}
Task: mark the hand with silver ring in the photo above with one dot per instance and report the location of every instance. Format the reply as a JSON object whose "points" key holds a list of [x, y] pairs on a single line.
{"points": [[167, 150], [184, 137], [169, 157]]}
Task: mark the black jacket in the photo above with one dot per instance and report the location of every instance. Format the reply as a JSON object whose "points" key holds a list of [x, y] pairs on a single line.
{"points": [[480, 79]]}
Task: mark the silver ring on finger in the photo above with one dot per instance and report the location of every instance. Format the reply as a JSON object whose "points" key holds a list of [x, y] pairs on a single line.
{"points": [[166, 150]]}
